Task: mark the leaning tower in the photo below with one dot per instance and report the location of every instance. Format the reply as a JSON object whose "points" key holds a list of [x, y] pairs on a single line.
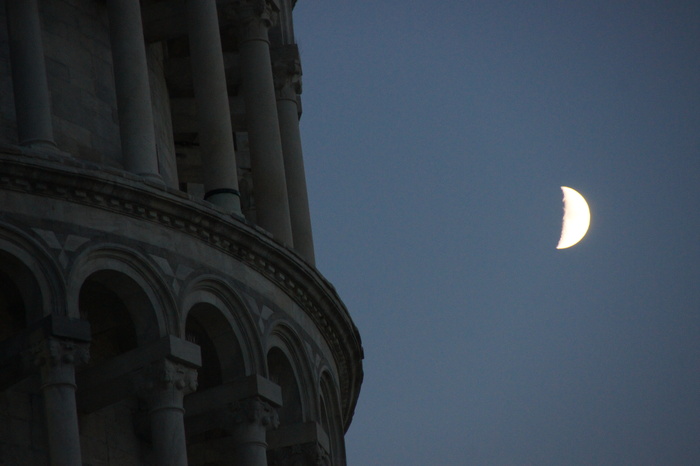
{"points": [[159, 303]]}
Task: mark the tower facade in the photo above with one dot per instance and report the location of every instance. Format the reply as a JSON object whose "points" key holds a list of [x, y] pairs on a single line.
{"points": [[159, 302]]}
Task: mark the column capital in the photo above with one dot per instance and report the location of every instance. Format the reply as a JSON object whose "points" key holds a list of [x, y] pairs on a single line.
{"points": [[303, 443], [164, 376], [286, 71], [56, 352], [253, 411], [306, 453], [252, 18]]}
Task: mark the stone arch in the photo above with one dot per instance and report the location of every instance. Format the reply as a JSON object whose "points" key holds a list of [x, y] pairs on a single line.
{"points": [[31, 279], [288, 367], [215, 318], [123, 275], [330, 416], [31, 287], [128, 305]]}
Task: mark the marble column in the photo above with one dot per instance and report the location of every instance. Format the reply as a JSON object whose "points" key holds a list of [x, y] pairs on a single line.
{"points": [[213, 112], [57, 359], [31, 88], [252, 19], [287, 74], [163, 384], [133, 90], [248, 421]]}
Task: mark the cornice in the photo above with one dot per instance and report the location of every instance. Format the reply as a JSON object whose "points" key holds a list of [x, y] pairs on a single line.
{"points": [[122, 193]]}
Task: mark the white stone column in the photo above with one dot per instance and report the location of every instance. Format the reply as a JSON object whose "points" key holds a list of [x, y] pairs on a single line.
{"points": [[287, 73], [248, 422], [213, 113], [57, 359], [164, 384], [253, 18], [133, 90], [31, 88]]}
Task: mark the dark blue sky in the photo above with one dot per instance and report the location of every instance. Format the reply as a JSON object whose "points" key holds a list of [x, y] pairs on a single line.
{"points": [[436, 137]]}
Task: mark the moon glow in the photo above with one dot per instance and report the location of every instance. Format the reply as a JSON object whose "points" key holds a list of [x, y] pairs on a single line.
{"points": [[577, 218]]}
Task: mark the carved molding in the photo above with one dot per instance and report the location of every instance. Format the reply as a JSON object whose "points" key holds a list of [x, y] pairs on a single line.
{"points": [[122, 193], [286, 71], [54, 352], [165, 375], [254, 411], [305, 454], [251, 18]]}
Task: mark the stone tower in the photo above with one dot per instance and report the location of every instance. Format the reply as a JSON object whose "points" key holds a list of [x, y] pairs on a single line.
{"points": [[159, 302]]}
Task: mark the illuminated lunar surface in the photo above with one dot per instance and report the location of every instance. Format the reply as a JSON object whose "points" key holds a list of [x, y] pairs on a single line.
{"points": [[577, 218]]}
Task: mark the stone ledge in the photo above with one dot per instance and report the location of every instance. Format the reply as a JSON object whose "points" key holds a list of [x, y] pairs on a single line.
{"points": [[130, 195]]}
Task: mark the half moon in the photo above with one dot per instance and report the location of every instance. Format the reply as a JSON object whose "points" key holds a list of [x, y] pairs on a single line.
{"points": [[577, 218]]}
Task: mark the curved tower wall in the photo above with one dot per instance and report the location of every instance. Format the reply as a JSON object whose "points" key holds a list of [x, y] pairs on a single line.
{"points": [[159, 302]]}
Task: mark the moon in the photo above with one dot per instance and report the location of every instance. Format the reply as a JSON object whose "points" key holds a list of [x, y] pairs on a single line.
{"points": [[577, 218]]}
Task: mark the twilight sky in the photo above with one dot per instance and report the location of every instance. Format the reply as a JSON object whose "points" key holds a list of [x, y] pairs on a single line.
{"points": [[436, 137]]}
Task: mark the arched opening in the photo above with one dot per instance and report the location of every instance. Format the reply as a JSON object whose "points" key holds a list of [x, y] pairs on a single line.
{"points": [[20, 296], [113, 331], [119, 308], [222, 357], [21, 299], [222, 362], [282, 373], [12, 310], [122, 318]]}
